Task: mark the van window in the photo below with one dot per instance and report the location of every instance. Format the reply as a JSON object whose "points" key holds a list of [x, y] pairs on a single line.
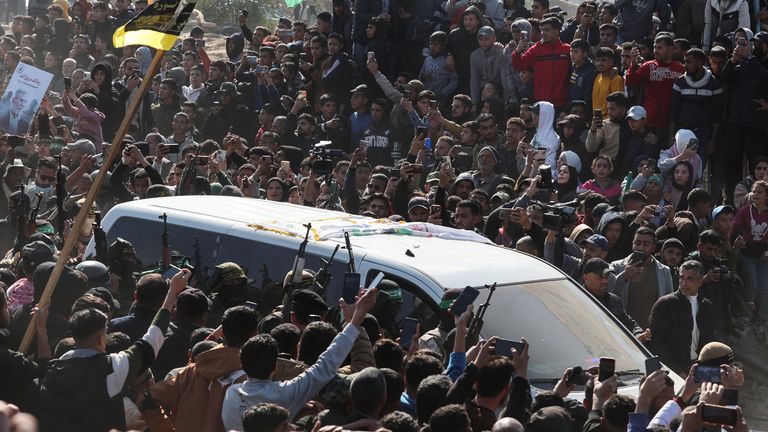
{"points": [[146, 237], [412, 303]]}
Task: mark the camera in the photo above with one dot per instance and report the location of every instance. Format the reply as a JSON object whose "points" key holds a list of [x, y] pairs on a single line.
{"points": [[324, 164], [558, 216], [722, 267]]}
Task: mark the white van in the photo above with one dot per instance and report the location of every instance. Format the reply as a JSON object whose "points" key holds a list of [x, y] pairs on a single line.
{"points": [[564, 325]]}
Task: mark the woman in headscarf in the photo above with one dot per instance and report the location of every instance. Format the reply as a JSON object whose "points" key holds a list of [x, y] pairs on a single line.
{"points": [[680, 152], [566, 183], [545, 137], [570, 130], [144, 56], [101, 85], [277, 190]]}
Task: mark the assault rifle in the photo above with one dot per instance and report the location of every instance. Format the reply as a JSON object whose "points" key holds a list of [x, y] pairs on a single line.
{"points": [[476, 325]]}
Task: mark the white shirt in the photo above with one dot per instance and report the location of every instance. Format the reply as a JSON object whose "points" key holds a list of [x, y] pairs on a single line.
{"points": [[695, 333]]}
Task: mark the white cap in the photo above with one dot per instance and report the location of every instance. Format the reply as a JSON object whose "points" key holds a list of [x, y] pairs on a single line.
{"points": [[636, 113]]}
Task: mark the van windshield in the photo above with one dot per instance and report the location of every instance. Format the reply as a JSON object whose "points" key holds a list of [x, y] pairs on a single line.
{"points": [[563, 326]]}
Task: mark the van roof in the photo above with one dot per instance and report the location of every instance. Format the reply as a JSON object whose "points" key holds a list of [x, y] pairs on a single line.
{"points": [[448, 265]]}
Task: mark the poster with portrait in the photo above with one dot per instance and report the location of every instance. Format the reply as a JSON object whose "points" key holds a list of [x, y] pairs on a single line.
{"points": [[22, 98]]}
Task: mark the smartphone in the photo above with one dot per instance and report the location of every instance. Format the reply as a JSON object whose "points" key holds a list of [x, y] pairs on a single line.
{"points": [[371, 57], [598, 114], [98, 158], [173, 148], [303, 57], [252, 60], [417, 169], [428, 143], [719, 415], [433, 104], [707, 374], [637, 257], [286, 165], [577, 376], [394, 173], [203, 160], [171, 272], [68, 83], [15, 141], [407, 331], [447, 162], [524, 36], [143, 147], [220, 156], [302, 94], [545, 171], [652, 364], [362, 146], [435, 210], [504, 347], [252, 305], [376, 281], [421, 131], [607, 368], [693, 144], [200, 43], [351, 287], [466, 298], [660, 212], [266, 159], [505, 213]]}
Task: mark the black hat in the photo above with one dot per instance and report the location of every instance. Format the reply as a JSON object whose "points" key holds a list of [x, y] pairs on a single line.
{"points": [[105, 295], [597, 266], [193, 302], [309, 302], [36, 253]]}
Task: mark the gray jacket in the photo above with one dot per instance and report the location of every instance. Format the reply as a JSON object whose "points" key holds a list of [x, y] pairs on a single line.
{"points": [[488, 66], [621, 287]]}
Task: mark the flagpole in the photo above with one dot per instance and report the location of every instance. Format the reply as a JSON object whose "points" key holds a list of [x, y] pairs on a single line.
{"points": [[114, 150]]}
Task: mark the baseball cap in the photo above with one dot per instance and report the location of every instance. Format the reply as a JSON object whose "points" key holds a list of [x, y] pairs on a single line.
{"points": [[418, 202], [636, 113], [362, 89], [486, 32], [598, 241], [597, 266], [84, 146], [309, 302], [105, 295], [434, 176], [193, 302], [717, 211]]}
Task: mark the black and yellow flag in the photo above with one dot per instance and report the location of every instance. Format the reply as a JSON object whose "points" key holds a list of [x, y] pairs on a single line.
{"points": [[158, 26]]}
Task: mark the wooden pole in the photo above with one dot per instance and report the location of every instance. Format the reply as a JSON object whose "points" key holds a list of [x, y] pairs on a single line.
{"points": [[114, 151]]}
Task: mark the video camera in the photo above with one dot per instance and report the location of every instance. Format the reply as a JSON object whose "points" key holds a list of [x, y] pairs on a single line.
{"points": [[558, 215], [324, 164], [722, 267]]}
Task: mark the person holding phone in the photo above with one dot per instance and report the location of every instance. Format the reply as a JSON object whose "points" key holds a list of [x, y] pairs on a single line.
{"points": [[683, 322], [640, 278]]}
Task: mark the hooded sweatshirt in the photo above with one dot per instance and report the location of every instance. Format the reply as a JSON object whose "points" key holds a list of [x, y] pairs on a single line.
{"points": [[235, 52], [196, 394], [722, 17], [667, 157], [488, 66], [546, 138]]}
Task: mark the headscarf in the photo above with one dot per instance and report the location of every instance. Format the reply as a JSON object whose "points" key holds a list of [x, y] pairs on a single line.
{"points": [[282, 185], [144, 56], [682, 137]]}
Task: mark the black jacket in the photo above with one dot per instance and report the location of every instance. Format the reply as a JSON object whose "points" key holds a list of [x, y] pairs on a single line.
{"points": [[671, 325]]}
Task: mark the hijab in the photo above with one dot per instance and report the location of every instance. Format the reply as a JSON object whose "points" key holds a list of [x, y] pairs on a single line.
{"points": [[144, 56]]}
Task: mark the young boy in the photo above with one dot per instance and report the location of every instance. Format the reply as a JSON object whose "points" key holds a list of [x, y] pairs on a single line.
{"points": [[607, 81], [434, 74], [582, 72], [88, 118]]}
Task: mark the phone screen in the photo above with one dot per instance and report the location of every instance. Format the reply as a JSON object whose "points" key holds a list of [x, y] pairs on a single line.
{"points": [[718, 415], [408, 330], [171, 272], [466, 298], [652, 364], [504, 347], [707, 374], [607, 368], [351, 287]]}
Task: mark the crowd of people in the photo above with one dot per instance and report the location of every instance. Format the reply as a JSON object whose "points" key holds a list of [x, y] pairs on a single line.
{"points": [[611, 144]]}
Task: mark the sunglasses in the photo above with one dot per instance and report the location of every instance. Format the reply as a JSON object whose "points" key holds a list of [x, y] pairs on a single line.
{"points": [[47, 178]]}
